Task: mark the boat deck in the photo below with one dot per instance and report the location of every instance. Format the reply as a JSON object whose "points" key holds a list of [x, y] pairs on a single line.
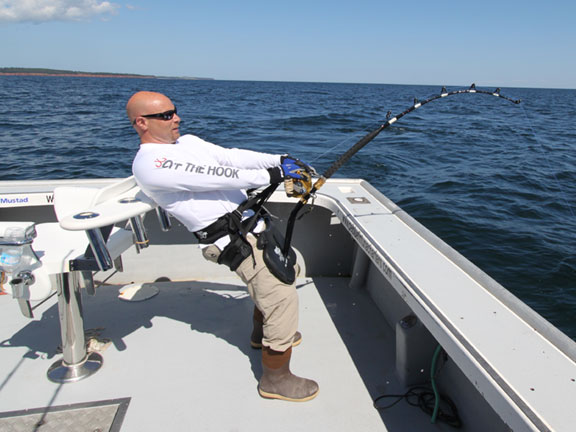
{"points": [[182, 361]]}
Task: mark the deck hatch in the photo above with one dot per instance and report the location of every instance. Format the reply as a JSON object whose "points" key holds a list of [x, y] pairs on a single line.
{"points": [[102, 416]]}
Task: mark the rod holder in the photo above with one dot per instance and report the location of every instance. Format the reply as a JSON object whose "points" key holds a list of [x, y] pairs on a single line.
{"points": [[86, 281], [98, 245], [21, 281], [139, 232], [164, 219]]}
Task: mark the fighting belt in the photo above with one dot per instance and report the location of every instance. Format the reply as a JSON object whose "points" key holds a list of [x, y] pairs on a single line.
{"points": [[229, 224], [270, 241]]}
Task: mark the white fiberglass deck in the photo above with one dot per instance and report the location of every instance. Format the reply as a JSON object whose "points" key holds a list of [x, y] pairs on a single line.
{"points": [[184, 360], [183, 357]]}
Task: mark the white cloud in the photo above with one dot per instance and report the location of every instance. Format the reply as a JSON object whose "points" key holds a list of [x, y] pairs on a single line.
{"points": [[53, 10]]}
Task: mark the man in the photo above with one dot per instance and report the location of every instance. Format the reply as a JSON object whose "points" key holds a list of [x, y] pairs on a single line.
{"points": [[202, 184]]}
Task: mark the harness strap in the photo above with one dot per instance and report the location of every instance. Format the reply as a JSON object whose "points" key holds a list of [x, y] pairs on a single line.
{"points": [[231, 223]]}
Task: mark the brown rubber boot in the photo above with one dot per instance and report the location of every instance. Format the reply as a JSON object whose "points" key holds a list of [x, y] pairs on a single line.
{"points": [[278, 382], [258, 334]]}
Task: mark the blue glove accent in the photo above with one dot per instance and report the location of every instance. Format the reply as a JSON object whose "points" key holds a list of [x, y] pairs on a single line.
{"points": [[291, 166]]}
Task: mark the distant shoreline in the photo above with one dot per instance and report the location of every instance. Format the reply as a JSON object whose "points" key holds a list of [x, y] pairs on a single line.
{"points": [[66, 73], [73, 75]]}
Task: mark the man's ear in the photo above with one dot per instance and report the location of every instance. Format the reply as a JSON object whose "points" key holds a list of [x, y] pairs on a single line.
{"points": [[140, 124]]}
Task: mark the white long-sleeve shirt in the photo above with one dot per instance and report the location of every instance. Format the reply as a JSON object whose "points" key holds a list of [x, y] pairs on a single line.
{"points": [[197, 181]]}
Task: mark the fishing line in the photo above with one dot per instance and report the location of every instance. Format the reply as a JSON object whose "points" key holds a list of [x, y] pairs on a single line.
{"points": [[547, 158], [364, 141], [338, 145]]}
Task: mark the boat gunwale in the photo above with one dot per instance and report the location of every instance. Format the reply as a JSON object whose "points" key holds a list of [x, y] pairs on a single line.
{"points": [[526, 314]]}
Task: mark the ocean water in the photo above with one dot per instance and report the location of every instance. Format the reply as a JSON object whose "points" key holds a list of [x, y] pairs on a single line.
{"points": [[496, 181]]}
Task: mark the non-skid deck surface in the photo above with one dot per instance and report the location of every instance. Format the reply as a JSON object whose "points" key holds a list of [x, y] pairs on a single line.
{"points": [[184, 361]]}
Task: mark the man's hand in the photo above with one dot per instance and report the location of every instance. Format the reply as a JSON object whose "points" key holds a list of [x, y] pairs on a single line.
{"points": [[292, 168], [297, 176]]}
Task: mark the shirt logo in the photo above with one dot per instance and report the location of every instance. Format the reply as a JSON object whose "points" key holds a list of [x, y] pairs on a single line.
{"points": [[210, 170]]}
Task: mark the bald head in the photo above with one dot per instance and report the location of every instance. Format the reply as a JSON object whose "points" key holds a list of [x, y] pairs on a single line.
{"points": [[145, 102], [153, 129]]}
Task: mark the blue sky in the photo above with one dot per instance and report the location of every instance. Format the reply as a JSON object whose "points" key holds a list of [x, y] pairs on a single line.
{"points": [[504, 43]]}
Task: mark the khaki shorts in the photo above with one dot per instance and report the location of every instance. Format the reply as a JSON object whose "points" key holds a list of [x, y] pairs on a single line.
{"points": [[277, 301]]}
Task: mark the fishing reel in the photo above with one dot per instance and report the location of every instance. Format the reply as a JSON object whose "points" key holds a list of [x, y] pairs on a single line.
{"points": [[297, 188], [297, 176]]}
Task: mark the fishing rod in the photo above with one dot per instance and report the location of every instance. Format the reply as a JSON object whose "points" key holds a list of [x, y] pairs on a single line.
{"points": [[365, 140]]}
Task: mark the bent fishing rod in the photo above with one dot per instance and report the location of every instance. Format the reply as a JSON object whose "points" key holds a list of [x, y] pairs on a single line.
{"points": [[365, 140]]}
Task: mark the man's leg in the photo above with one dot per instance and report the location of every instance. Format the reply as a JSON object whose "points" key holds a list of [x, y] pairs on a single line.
{"points": [[278, 303], [258, 331]]}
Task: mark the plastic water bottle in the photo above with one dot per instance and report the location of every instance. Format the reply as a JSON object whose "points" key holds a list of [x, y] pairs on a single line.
{"points": [[11, 255]]}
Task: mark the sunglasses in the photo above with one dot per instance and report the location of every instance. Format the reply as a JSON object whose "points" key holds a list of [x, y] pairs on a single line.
{"points": [[166, 115]]}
